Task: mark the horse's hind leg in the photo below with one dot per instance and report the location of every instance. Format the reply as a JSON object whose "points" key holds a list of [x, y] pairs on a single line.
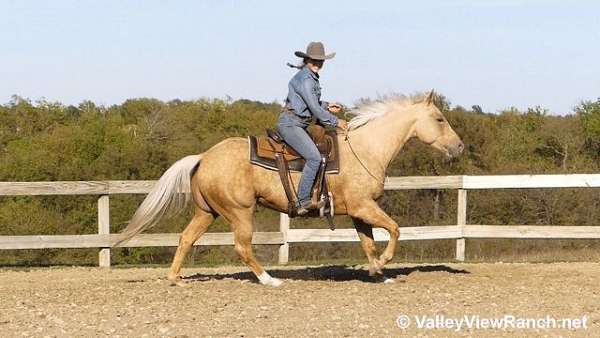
{"points": [[196, 228], [242, 227]]}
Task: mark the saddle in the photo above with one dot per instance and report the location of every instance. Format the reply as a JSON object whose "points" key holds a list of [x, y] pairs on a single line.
{"points": [[264, 149], [271, 152]]}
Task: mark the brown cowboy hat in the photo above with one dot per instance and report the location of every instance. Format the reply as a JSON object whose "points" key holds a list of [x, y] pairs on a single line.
{"points": [[315, 51]]}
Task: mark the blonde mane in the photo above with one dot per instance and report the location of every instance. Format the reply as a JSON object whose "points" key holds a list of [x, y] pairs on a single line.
{"points": [[369, 110]]}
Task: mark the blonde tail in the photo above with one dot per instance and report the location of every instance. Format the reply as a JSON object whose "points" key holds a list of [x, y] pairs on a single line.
{"points": [[170, 194]]}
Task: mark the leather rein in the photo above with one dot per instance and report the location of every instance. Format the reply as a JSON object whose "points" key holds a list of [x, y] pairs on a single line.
{"points": [[347, 139]]}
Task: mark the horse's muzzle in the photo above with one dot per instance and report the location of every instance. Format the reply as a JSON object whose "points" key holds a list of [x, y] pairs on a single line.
{"points": [[456, 149]]}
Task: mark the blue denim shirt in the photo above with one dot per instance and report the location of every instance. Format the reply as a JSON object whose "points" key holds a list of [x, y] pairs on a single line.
{"points": [[304, 99]]}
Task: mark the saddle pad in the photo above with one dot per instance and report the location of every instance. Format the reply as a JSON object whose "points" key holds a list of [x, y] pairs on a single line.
{"points": [[266, 147], [265, 156]]}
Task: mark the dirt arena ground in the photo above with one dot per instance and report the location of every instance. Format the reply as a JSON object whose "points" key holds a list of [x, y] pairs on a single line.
{"points": [[323, 301]]}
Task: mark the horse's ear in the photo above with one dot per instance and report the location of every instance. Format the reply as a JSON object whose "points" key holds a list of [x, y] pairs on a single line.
{"points": [[430, 97]]}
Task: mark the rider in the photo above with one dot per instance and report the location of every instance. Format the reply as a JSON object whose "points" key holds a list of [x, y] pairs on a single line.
{"points": [[302, 103]]}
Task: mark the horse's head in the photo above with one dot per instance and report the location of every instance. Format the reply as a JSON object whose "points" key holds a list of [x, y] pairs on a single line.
{"points": [[432, 128]]}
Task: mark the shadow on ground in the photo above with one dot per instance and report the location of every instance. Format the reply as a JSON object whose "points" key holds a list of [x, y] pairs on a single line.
{"points": [[337, 273]]}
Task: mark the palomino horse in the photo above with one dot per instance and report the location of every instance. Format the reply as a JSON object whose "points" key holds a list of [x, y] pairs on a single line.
{"points": [[222, 182]]}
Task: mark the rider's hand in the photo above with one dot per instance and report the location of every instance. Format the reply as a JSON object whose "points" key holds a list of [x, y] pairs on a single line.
{"points": [[334, 107], [342, 124]]}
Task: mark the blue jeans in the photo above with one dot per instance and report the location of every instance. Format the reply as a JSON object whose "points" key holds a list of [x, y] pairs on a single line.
{"points": [[294, 133]]}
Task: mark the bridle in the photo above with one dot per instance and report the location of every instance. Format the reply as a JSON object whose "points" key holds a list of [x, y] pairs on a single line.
{"points": [[379, 180]]}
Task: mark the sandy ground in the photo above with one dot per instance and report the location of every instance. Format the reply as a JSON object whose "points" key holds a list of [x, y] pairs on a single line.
{"points": [[324, 301]]}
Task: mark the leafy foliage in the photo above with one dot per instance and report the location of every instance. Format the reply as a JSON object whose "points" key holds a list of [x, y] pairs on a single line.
{"points": [[141, 138]]}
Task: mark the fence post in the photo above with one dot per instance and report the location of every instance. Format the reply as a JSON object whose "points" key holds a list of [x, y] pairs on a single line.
{"points": [[461, 221], [284, 249], [103, 229]]}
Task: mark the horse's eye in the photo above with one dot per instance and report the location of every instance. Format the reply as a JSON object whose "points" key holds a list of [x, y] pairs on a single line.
{"points": [[440, 119]]}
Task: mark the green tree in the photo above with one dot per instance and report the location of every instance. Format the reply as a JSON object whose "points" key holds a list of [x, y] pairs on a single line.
{"points": [[589, 115]]}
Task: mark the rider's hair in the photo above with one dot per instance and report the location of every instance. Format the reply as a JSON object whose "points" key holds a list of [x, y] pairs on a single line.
{"points": [[299, 65]]}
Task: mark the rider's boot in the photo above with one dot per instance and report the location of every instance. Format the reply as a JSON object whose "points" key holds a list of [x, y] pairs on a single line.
{"points": [[304, 207]]}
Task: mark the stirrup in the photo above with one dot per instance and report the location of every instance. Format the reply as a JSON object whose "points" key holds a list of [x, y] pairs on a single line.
{"points": [[305, 210], [324, 211]]}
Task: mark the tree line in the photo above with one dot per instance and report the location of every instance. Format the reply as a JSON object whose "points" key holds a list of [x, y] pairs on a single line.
{"points": [[140, 138]]}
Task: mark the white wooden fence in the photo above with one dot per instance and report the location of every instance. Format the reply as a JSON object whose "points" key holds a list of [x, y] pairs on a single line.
{"points": [[286, 235]]}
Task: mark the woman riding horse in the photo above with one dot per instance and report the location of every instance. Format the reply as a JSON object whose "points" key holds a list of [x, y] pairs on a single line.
{"points": [[302, 104], [222, 182]]}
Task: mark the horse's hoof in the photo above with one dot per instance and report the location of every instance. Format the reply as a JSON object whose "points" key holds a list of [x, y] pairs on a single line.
{"points": [[273, 282], [266, 279], [380, 278], [177, 281], [375, 271], [181, 284]]}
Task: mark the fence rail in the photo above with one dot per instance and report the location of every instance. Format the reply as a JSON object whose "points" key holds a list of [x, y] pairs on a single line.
{"points": [[460, 232]]}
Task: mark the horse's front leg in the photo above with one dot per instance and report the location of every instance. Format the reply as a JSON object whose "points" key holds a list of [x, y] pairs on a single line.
{"points": [[369, 212], [365, 234]]}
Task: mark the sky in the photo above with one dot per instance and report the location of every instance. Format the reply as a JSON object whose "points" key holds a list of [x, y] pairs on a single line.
{"points": [[496, 54]]}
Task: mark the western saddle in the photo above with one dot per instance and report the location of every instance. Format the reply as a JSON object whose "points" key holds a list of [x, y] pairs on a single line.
{"points": [[271, 152]]}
